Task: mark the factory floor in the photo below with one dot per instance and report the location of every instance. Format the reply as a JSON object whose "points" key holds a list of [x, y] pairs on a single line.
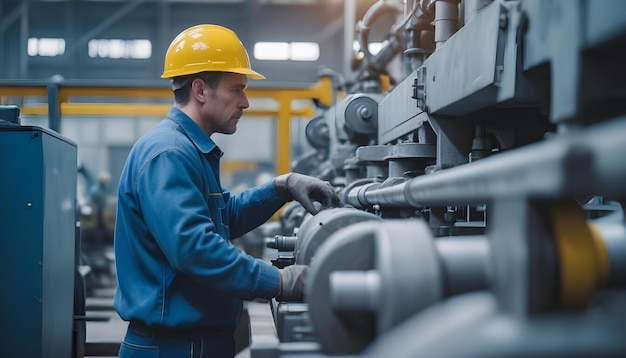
{"points": [[103, 338]]}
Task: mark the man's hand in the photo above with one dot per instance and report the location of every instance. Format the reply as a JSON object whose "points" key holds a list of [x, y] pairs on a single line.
{"points": [[291, 285], [305, 190]]}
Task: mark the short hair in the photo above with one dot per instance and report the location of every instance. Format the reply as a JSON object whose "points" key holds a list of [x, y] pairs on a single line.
{"points": [[182, 84]]}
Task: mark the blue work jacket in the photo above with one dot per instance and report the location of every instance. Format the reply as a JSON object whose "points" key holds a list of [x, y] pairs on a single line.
{"points": [[175, 264]]}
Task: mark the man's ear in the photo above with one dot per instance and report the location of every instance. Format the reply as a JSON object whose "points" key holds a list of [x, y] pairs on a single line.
{"points": [[197, 89]]}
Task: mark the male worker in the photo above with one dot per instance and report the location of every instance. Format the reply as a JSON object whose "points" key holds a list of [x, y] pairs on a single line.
{"points": [[181, 283]]}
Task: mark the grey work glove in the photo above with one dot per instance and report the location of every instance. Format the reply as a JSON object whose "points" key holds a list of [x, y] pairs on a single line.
{"points": [[305, 190], [291, 283]]}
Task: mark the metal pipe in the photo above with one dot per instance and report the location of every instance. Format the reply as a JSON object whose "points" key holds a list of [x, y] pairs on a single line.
{"points": [[464, 262], [282, 243], [378, 62], [356, 195], [577, 163], [446, 20], [375, 11], [391, 197], [349, 17]]}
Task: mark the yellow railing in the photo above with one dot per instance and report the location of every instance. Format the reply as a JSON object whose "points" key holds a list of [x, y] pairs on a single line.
{"points": [[63, 99]]}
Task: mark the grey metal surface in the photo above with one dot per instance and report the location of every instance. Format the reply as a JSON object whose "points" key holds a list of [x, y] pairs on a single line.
{"points": [[354, 290], [560, 166], [462, 75], [560, 34], [613, 231], [477, 328], [604, 21], [409, 272], [315, 230], [400, 271], [398, 113], [555, 34], [359, 113], [351, 248], [292, 322], [398, 151], [264, 341], [523, 109], [408, 264], [464, 263]]}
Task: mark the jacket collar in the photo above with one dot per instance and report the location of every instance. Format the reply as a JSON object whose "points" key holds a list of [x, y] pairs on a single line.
{"points": [[203, 142]]}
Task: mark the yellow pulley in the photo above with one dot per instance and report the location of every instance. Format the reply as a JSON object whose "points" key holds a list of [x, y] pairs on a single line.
{"points": [[583, 257]]}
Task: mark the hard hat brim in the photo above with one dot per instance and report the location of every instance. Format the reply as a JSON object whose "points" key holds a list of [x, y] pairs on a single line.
{"points": [[244, 71]]}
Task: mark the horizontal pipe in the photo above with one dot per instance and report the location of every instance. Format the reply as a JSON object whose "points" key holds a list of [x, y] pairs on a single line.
{"points": [[582, 162]]}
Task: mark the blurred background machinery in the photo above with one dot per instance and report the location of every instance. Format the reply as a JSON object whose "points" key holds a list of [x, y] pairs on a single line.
{"points": [[96, 214], [484, 190]]}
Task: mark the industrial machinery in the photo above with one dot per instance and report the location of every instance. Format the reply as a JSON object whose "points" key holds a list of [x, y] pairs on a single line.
{"points": [[483, 193], [42, 310]]}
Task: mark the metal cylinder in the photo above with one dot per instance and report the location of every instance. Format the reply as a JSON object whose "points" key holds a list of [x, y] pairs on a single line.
{"points": [[446, 20], [356, 196], [359, 113], [386, 271], [355, 290], [282, 243], [464, 261]]}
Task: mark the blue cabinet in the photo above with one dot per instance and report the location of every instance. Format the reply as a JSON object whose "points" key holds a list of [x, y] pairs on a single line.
{"points": [[37, 242]]}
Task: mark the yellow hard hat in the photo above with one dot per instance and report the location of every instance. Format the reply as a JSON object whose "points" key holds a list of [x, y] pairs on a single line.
{"points": [[207, 48]]}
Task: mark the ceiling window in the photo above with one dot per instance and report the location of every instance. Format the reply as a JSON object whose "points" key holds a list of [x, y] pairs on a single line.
{"points": [[115, 48], [373, 47], [271, 51], [304, 51], [48, 47], [285, 51]]}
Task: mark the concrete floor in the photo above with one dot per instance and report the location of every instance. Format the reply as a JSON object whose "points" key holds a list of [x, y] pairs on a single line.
{"points": [[103, 337]]}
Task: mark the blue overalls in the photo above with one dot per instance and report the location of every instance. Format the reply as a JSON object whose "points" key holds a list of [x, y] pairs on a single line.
{"points": [[181, 283]]}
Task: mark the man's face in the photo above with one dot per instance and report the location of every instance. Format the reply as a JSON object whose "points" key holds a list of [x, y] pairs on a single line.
{"points": [[225, 104]]}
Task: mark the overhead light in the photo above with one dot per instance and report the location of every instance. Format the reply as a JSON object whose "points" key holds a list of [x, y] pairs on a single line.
{"points": [[116, 48], [271, 51], [304, 51], [283, 51], [48, 47]]}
